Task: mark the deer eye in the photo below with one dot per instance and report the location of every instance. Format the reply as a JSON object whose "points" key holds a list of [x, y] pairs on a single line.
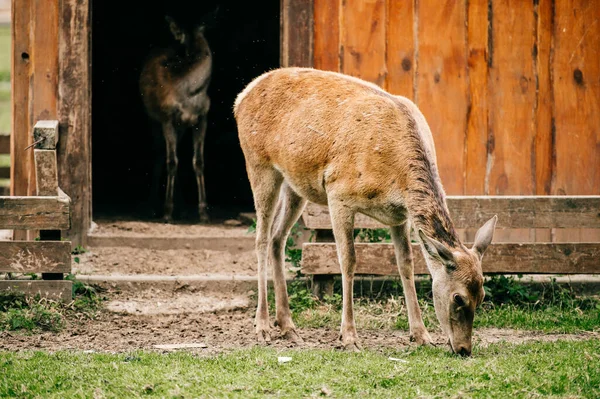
{"points": [[459, 300]]}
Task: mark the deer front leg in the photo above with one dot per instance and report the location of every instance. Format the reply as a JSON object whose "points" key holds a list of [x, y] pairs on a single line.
{"points": [[404, 259], [170, 135], [342, 221], [198, 137], [289, 209]]}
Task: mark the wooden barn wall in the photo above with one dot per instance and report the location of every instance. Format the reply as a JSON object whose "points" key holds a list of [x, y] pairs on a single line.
{"points": [[511, 89]]}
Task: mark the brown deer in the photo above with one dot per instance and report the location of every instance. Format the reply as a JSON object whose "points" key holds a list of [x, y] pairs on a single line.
{"points": [[173, 84], [337, 140]]}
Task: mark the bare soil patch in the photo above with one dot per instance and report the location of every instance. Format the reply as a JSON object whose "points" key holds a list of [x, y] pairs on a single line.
{"points": [[141, 320], [160, 229]]}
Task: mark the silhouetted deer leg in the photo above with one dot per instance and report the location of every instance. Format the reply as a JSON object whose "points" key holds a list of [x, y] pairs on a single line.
{"points": [[198, 137], [170, 135], [156, 183]]}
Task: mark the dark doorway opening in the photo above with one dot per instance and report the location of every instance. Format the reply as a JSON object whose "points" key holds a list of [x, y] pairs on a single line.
{"points": [[244, 43]]}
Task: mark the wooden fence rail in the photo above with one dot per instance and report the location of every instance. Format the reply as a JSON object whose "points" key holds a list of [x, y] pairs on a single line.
{"points": [[48, 212], [320, 259]]}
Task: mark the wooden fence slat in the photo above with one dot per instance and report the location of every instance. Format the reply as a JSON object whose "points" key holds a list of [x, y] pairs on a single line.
{"points": [[363, 40], [512, 89], [297, 33], [327, 35], [576, 86], [442, 85], [4, 144], [379, 259], [477, 114], [34, 213], [74, 149], [400, 51], [35, 256], [513, 212], [46, 174], [55, 289]]}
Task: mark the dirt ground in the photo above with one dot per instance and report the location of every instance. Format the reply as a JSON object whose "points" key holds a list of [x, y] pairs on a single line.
{"points": [[218, 323]]}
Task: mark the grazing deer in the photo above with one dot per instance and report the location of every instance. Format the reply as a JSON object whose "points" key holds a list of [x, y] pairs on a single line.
{"points": [[340, 141], [173, 84]]}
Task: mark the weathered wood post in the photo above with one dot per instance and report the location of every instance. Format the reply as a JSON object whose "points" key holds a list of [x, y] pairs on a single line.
{"points": [[45, 137]]}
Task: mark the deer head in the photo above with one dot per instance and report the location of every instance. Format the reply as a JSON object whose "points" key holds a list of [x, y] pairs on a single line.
{"points": [[458, 284], [192, 39]]}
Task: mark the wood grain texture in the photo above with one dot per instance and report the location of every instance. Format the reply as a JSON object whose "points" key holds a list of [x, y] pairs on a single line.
{"points": [[512, 99], [523, 212], [45, 173], [21, 161], [477, 111], [576, 86], [327, 35], [442, 89], [34, 213], [363, 39], [379, 259], [57, 290], [35, 256], [544, 12], [296, 33], [45, 134], [74, 149], [400, 51]]}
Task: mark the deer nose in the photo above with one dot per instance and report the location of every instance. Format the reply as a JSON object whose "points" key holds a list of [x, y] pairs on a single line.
{"points": [[463, 351]]}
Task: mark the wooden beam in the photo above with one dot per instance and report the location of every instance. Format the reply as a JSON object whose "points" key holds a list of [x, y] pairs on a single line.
{"points": [[74, 148], [45, 134], [46, 174], [297, 33], [57, 290], [379, 259], [513, 212], [4, 144], [34, 213], [35, 256]]}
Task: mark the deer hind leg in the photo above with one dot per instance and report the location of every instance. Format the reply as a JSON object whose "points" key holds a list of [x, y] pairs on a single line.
{"points": [[404, 259], [289, 209], [198, 137], [265, 183], [342, 221], [170, 135]]}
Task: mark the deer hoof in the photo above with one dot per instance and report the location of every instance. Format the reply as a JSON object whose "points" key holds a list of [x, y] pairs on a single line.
{"points": [[421, 338], [352, 347], [263, 336], [204, 218], [292, 336]]}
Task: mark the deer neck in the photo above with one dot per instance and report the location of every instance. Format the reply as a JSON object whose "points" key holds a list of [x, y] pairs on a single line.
{"points": [[426, 204]]}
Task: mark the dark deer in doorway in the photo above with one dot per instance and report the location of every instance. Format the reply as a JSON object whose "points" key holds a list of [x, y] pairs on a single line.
{"points": [[173, 84]]}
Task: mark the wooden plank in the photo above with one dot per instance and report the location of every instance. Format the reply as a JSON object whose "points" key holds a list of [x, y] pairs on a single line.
{"points": [[327, 35], [44, 83], [512, 98], [57, 290], [576, 86], [296, 33], [35, 256], [21, 161], [363, 39], [34, 213], [513, 212], [74, 149], [441, 86], [46, 174], [4, 144], [477, 111], [379, 259], [400, 51], [543, 107]]}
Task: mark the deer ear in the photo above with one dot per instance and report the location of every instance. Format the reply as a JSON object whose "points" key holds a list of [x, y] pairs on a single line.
{"points": [[484, 236], [175, 30], [438, 250]]}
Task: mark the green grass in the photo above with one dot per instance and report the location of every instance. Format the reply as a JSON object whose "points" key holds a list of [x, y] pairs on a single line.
{"points": [[500, 370]]}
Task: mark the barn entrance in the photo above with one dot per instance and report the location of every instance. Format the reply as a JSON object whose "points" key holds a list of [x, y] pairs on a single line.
{"points": [[245, 42]]}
